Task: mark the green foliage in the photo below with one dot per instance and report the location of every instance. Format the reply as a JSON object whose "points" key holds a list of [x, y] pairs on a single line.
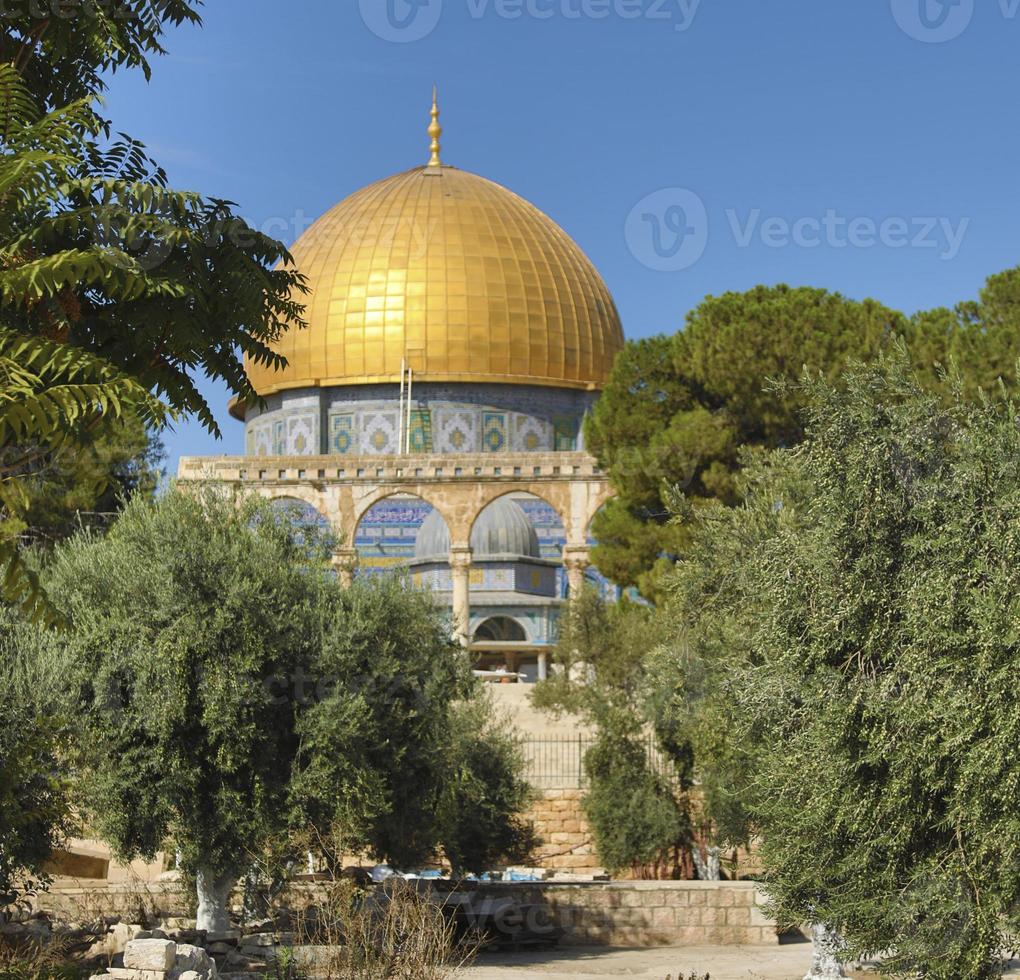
{"points": [[375, 731], [114, 289], [862, 605], [66, 51], [634, 816], [34, 802], [190, 620], [226, 691], [484, 791], [638, 815], [88, 486], [677, 412]]}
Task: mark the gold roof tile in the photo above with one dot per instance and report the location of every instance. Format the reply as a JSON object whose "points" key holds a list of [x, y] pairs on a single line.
{"points": [[429, 253]]}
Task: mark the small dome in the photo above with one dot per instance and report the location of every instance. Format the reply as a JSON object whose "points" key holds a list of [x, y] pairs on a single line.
{"points": [[501, 529], [433, 538], [504, 529]]}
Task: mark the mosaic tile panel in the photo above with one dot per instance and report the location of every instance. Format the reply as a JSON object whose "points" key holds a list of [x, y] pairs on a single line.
{"points": [[379, 433], [279, 437], [566, 428], [420, 434], [456, 431], [387, 532], [493, 432], [531, 435], [302, 435], [342, 435]]}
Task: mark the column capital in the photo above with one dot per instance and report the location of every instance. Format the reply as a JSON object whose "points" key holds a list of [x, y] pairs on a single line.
{"points": [[345, 563], [460, 558], [577, 556]]}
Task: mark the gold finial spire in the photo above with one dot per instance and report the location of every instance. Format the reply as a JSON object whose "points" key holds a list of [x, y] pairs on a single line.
{"points": [[435, 130]]}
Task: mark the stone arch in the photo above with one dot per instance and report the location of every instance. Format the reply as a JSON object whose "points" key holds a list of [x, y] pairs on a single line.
{"points": [[364, 504], [599, 499], [301, 495], [491, 495], [387, 527], [501, 629]]}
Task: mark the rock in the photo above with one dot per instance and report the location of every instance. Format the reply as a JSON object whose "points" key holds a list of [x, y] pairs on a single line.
{"points": [[156, 955], [258, 939], [192, 959], [226, 936], [191, 975], [235, 961]]}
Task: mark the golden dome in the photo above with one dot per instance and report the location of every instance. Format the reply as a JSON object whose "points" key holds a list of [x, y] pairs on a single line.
{"points": [[460, 276]]}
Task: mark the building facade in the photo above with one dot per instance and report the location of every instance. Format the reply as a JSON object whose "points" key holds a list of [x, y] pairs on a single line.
{"points": [[432, 409]]}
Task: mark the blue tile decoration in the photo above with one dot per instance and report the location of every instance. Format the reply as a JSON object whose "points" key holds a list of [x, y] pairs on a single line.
{"points": [[566, 429], [493, 432], [341, 434], [421, 431]]}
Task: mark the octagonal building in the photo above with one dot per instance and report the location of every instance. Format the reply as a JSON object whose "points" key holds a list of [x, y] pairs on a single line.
{"points": [[432, 408]]}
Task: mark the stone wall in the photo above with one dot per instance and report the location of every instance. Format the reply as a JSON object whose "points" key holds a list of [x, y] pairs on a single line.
{"points": [[647, 913], [564, 834]]}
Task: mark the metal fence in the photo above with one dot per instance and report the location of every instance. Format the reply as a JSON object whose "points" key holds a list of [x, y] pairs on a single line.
{"points": [[558, 762]]}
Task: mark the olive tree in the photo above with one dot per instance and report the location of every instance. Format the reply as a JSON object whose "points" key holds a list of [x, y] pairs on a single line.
{"points": [[227, 690], [853, 623], [34, 800]]}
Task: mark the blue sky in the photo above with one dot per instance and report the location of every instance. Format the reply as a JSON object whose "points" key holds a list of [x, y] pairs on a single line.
{"points": [[689, 147]]}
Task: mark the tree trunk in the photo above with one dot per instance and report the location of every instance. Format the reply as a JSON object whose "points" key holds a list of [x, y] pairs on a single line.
{"points": [[825, 962], [708, 864], [213, 895]]}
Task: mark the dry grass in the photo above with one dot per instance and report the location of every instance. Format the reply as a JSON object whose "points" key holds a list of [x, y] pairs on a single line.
{"points": [[400, 934]]}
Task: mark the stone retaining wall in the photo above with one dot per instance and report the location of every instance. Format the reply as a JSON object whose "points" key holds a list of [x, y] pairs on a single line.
{"points": [[565, 842], [647, 913]]}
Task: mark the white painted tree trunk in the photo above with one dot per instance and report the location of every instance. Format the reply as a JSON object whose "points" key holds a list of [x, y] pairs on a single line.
{"points": [[825, 962], [708, 865], [213, 896]]}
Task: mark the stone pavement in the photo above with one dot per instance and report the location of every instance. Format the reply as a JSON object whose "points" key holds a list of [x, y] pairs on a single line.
{"points": [[789, 962], [593, 963]]}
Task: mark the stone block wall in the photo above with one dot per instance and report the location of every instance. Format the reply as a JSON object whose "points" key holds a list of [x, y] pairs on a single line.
{"points": [[647, 913], [563, 832]]}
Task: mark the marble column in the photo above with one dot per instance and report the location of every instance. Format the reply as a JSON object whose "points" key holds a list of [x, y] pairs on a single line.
{"points": [[460, 569], [576, 561], [543, 665], [345, 562]]}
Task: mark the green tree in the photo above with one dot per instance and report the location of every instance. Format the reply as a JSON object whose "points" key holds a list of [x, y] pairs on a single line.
{"points": [[862, 605], [677, 412], [227, 692], [34, 798], [88, 486], [981, 337], [484, 791], [638, 812], [191, 619], [114, 289]]}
